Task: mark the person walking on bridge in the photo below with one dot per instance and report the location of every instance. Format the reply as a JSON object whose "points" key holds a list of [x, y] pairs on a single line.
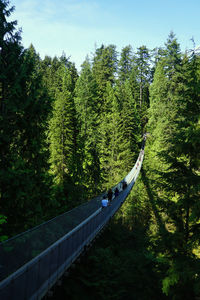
{"points": [[116, 192], [104, 202], [110, 194]]}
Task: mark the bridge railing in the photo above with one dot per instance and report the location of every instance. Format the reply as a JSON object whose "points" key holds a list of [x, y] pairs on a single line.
{"points": [[33, 261]]}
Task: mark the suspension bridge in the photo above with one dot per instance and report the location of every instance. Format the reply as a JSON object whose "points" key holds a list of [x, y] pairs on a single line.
{"points": [[32, 262]]}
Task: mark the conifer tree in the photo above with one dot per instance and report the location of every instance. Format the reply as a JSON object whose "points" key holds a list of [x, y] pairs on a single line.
{"points": [[130, 121], [24, 109], [29, 147], [11, 111], [142, 60], [182, 182], [87, 107], [49, 68], [104, 67], [10, 62], [172, 54], [174, 124], [125, 64], [111, 138], [62, 129], [51, 77]]}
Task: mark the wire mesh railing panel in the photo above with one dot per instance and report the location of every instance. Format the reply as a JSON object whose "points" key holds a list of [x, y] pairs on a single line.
{"points": [[32, 279], [18, 286], [44, 269], [12, 254]]}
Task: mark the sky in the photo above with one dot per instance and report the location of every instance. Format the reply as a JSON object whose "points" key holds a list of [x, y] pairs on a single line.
{"points": [[77, 27]]}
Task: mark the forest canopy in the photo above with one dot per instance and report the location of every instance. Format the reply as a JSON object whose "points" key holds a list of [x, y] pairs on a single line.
{"points": [[66, 136]]}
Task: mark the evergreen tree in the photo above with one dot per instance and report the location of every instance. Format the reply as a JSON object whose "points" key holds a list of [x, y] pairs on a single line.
{"points": [[172, 54], [104, 67], [130, 125], [174, 124], [111, 138], [22, 113], [125, 64], [51, 77], [10, 69], [182, 182], [24, 109], [29, 151], [61, 129], [142, 60], [162, 106], [87, 107]]}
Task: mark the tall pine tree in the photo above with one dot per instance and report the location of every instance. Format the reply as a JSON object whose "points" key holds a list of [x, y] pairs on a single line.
{"points": [[87, 107], [174, 124]]}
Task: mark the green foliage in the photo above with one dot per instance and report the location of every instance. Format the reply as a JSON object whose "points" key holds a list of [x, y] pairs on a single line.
{"points": [[111, 138], [142, 66], [104, 67], [3, 220], [174, 126], [87, 108], [61, 129], [24, 109], [65, 137], [125, 64]]}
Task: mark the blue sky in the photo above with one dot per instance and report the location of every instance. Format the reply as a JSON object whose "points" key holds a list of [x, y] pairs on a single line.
{"points": [[76, 26]]}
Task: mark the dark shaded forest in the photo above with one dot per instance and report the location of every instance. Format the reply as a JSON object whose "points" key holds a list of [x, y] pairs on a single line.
{"points": [[66, 136]]}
